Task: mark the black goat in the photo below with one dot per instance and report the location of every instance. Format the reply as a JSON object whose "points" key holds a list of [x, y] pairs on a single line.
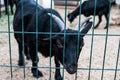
{"points": [[87, 9], [11, 3], [39, 36]]}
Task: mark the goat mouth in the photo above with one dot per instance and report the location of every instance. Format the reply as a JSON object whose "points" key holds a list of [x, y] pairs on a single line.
{"points": [[71, 69]]}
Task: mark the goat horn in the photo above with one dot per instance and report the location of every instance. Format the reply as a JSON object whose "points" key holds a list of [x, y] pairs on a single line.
{"points": [[48, 38], [58, 20], [83, 22]]}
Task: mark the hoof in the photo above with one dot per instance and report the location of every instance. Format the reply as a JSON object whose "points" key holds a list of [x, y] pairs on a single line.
{"points": [[28, 57], [105, 27], [20, 63], [37, 74], [95, 27], [59, 78]]}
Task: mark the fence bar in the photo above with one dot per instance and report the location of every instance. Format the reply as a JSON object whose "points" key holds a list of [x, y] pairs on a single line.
{"points": [[0, 8], [92, 41], [116, 67], [9, 36], [106, 40], [50, 70], [98, 69], [23, 43], [61, 33], [37, 37], [80, 2], [65, 13]]}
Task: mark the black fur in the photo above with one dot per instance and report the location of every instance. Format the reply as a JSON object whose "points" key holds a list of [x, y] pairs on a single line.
{"points": [[87, 9], [28, 25]]}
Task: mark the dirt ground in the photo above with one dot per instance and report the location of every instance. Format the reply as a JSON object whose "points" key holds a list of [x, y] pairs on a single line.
{"points": [[97, 51]]}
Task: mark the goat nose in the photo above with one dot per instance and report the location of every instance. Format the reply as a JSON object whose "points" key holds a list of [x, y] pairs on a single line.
{"points": [[72, 68], [74, 65]]}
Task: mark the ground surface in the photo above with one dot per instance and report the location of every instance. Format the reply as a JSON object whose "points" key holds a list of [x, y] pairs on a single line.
{"points": [[84, 60]]}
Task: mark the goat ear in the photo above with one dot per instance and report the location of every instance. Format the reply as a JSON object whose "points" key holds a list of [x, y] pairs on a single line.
{"points": [[86, 29]]}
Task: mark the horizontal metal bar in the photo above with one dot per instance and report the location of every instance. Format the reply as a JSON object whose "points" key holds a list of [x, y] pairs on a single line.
{"points": [[60, 33], [109, 69]]}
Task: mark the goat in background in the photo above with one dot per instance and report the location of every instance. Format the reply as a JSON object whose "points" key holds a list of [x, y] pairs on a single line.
{"points": [[10, 3], [87, 9]]}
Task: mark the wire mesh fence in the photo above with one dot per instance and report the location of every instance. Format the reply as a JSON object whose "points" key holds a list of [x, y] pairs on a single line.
{"points": [[98, 60]]}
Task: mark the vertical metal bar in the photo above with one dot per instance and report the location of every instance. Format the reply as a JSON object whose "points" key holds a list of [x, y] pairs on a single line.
{"points": [[106, 39], [80, 1], [9, 35], [50, 40], [23, 38], [0, 8], [91, 51], [37, 37], [65, 13], [116, 67], [104, 57]]}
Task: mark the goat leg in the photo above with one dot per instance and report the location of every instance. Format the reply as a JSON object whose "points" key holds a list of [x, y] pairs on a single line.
{"points": [[6, 10], [100, 19], [36, 73], [27, 54], [106, 17], [21, 56], [11, 6], [57, 72]]}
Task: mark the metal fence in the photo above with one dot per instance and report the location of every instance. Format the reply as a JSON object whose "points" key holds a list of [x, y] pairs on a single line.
{"points": [[92, 70]]}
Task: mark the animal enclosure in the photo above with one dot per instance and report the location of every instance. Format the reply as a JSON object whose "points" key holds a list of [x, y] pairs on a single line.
{"points": [[98, 60]]}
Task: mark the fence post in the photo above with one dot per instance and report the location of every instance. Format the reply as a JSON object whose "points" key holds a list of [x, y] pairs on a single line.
{"points": [[0, 8]]}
